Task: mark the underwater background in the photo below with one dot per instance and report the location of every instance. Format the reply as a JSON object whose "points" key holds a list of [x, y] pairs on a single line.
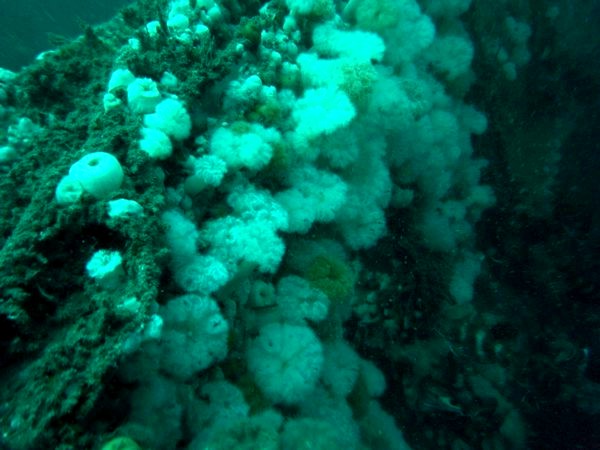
{"points": [[30, 27], [300, 224]]}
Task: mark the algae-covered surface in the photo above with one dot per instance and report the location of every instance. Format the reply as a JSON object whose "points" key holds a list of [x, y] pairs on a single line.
{"points": [[61, 335]]}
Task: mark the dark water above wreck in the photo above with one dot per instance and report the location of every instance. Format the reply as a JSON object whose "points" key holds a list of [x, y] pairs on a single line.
{"points": [[28, 27]]}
